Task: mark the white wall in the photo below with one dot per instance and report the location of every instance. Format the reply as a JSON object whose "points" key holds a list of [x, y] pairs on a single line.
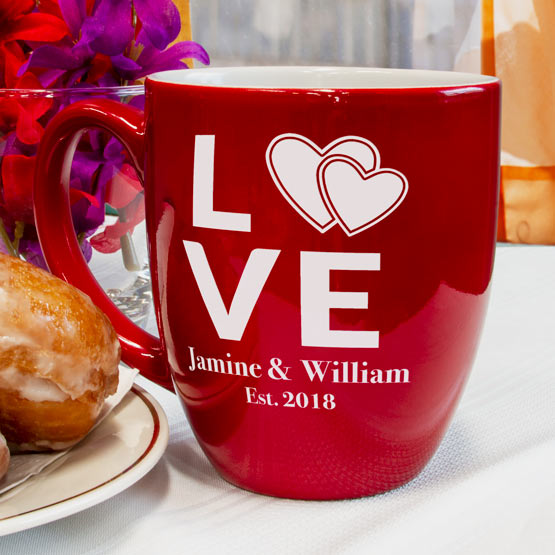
{"points": [[384, 33]]}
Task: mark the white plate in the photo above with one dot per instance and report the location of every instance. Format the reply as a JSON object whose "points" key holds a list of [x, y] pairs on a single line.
{"points": [[119, 452]]}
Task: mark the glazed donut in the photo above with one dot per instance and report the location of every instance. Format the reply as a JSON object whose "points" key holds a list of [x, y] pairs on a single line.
{"points": [[59, 359], [4, 457]]}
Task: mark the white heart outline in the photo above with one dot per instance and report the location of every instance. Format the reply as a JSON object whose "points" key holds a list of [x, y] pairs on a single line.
{"points": [[365, 176], [321, 152]]}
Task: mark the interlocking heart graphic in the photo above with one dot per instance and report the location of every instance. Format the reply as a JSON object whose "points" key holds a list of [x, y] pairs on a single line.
{"points": [[341, 183], [359, 199]]}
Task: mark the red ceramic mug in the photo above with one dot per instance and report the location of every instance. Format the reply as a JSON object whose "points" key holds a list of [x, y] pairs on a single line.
{"points": [[321, 246]]}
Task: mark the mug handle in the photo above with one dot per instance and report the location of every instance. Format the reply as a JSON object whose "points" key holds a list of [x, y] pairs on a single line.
{"points": [[55, 226]]}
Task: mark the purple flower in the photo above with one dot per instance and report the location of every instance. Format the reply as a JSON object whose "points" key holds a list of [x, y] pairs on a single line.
{"points": [[74, 13], [151, 60], [33, 252], [90, 173], [160, 19], [108, 31]]}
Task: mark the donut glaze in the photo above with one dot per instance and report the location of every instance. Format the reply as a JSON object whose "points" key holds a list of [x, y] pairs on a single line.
{"points": [[4, 457], [59, 358]]}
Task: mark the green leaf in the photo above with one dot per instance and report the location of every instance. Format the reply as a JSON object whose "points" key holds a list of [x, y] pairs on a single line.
{"points": [[111, 211]]}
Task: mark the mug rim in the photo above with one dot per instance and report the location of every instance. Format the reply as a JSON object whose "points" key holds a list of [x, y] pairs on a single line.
{"points": [[322, 78], [71, 91]]}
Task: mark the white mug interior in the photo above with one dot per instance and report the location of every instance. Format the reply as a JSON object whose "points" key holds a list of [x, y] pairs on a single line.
{"points": [[307, 77]]}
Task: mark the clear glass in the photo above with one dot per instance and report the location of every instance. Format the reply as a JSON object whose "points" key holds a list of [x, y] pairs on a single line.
{"points": [[105, 192]]}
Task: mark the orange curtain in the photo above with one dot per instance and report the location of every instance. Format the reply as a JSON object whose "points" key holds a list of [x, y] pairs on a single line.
{"points": [[185, 33], [518, 45], [185, 11]]}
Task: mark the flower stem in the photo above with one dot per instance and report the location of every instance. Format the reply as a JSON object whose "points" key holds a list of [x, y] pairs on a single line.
{"points": [[6, 240], [18, 234], [130, 259]]}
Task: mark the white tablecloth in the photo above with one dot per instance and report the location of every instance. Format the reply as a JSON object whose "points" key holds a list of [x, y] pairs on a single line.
{"points": [[489, 489]]}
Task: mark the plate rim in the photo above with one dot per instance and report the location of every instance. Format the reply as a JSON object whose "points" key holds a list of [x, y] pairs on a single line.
{"points": [[108, 488]]}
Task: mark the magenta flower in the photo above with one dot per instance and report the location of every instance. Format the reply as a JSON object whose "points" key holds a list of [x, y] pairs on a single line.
{"points": [[151, 60], [108, 32]]}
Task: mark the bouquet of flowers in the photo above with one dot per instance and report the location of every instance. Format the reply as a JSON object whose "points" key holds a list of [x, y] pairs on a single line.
{"points": [[52, 53]]}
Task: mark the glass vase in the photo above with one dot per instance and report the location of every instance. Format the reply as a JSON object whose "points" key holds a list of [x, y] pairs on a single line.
{"points": [[106, 195]]}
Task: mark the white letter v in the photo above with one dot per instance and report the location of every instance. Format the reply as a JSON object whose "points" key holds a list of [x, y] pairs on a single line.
{"points": [[232, 324]]}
